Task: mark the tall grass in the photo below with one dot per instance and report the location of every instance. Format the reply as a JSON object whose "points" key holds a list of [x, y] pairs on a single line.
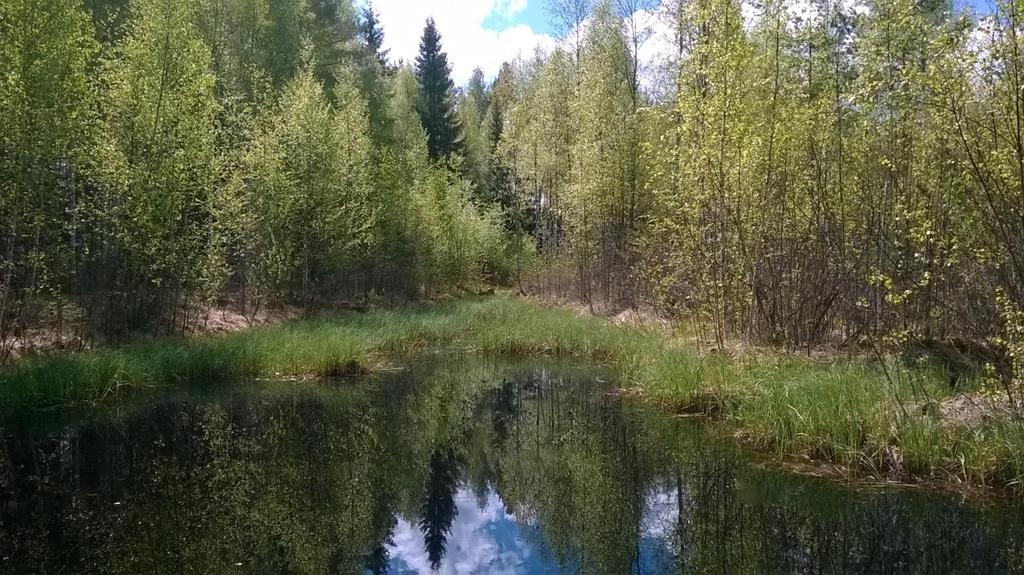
{"points": [[851, 412], [317, 348]]}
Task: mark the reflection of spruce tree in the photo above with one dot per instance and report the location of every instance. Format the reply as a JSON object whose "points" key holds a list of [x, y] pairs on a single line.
{"points": [[378, 560], [438, 510]]}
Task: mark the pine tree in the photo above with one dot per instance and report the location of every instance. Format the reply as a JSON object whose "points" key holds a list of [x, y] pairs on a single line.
{"points": [[435, 106]]}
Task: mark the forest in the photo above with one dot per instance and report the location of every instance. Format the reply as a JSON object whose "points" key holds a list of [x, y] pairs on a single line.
{"points": [[648, 299], [788, 174]]}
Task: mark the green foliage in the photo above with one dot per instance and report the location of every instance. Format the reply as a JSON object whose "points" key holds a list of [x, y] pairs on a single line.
{"points": [[156, 161], [495, 326], [372, 35], [408, 135], [601, 204], [258, 151], [313, 479], [238, 34], [475, 147], [333, 32], [308, 188], [1013, 340], [836, 176], [436, 105], [460, 238], [46, 103], [848, 177]]}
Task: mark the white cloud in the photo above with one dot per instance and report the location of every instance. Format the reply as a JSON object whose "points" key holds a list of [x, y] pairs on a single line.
{"points": [[658, 54], [464, 37], [473, 546], [661, 512]]}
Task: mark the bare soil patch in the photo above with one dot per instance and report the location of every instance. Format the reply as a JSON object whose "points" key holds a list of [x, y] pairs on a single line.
{"points": [[973, 410]]}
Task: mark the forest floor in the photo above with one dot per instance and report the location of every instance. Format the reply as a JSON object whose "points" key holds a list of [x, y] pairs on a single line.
{"points": [[881, 420]]}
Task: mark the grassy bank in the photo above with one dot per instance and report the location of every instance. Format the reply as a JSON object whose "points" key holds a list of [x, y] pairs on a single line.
{"points": [[853, 413], [320, 347]]}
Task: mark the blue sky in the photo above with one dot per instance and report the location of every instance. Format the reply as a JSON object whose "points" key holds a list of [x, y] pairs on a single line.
{"points": [[488, 538], [979, 6], [485, 33], [474, 33], [534, 15]]}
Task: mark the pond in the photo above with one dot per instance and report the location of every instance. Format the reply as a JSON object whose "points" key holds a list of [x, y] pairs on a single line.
{"points": [[449, 467]]}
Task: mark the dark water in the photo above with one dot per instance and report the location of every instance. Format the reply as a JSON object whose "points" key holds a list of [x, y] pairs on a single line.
{"points": [[457, 468]]}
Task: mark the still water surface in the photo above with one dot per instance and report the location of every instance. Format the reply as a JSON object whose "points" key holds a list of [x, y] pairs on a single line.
{"points": [[450, 468]]}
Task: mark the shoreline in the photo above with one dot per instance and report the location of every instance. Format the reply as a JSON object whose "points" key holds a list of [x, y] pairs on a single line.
{"points": [[840, 413]]}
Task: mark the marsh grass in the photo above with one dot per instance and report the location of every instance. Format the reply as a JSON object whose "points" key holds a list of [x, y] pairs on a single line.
{"points": [[853, 412], [318, 348]]}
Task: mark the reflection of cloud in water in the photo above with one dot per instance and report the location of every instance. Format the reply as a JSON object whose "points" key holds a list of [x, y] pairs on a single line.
{"points": [[657, 527], [661, 512], [487, 540]]}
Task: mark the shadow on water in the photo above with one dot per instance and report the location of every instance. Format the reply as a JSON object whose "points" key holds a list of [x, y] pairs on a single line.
{"points": [[454, 468]]}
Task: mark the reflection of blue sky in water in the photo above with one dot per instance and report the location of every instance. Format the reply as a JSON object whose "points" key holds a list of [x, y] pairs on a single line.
{"points": [[658, 525], [487, 540], [490, 540]]}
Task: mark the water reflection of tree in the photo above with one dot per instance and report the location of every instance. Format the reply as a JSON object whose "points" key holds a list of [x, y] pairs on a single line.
{"points": [[378, 560], [504, 404], [733, 518], [566, 460], [311, 481], [278, 483], [586, 462], [438, 509]]}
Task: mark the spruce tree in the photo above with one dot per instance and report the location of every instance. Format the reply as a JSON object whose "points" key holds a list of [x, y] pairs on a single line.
{"points": [[435, 106], [374, 75], [438, 509], [478, 91], [372, 35]]}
